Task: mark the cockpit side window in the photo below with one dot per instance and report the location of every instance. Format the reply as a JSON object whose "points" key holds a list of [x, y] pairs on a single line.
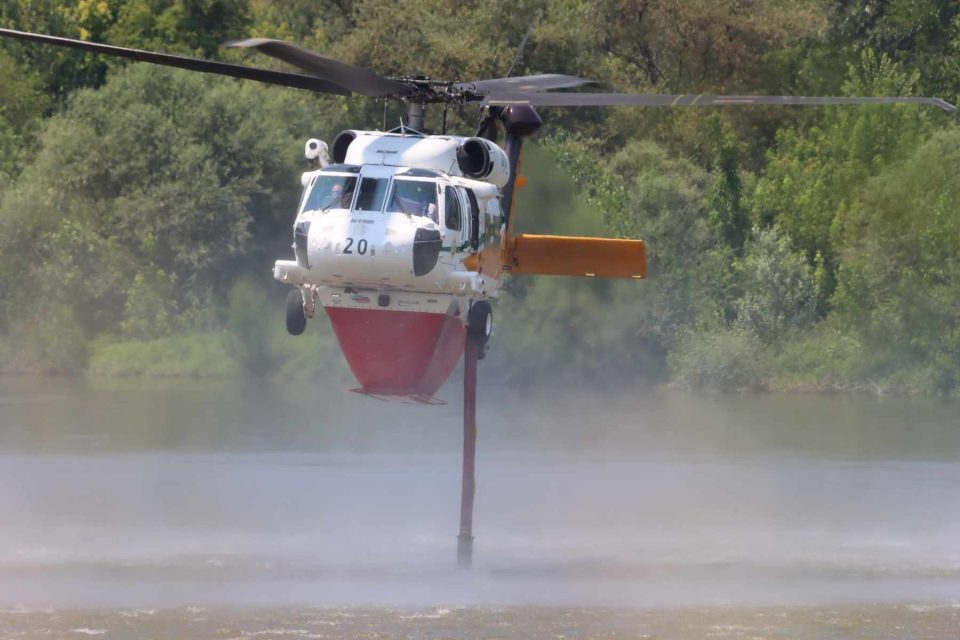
{"points": [[330, 192], [372, 192], [452, 219], [414, 198]]}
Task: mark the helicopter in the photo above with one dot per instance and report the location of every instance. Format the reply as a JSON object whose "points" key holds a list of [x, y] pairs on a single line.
{"points": [[404, 236]]}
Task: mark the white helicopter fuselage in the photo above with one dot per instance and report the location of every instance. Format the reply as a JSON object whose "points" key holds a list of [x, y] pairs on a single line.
{"points": [[368, 246], [382, 239]]}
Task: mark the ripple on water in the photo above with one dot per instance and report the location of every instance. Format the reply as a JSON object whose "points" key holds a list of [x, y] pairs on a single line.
{"points": [[930, 620]]}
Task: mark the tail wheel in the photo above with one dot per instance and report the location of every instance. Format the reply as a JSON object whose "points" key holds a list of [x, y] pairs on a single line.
{"points": [[296, 318], [480, 324]]}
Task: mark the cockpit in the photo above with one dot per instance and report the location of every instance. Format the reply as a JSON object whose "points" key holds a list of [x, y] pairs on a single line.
{"points": [[332, 188], [431, 200], [413, 192], [413, 197], [330, 192]]}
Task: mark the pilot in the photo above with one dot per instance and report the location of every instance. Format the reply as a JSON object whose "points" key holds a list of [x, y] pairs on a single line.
{"points": [[336, 193], [338, 197], [431, 212], [426, 205]]}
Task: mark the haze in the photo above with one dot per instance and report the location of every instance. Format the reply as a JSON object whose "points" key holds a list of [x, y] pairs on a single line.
{"points": [[125, 494]]}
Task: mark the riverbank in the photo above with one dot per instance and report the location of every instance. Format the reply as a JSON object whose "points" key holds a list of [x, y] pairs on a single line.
{"points": [[212, 354], [315, 355]]}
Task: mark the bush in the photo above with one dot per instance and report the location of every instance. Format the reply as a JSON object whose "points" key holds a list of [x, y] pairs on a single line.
{"points": [[250, 320], [315, 355], [827, 358], [899, 283], [46, 339], [198, 355], [259, 341], [150, 306], [719, 359], [779, 295]]}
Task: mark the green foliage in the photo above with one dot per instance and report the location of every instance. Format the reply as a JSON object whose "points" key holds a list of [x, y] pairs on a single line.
{"points": [[315, 355], [260, 345], [21, 104], [575, 330], [45, 338], [151, 305], [900, 278], [133, 213], [195, 27], [921, 34], [250, 319], [693, 44], [433, 37], [814, 176], [62, 70], [827, 358], [779, 295], [725, 199], [169, 176], [645, 193], [719, 359], [567, 327], [194, 355]]}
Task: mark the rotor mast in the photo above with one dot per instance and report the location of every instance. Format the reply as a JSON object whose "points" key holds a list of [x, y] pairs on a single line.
{"points": [[416, 115]]}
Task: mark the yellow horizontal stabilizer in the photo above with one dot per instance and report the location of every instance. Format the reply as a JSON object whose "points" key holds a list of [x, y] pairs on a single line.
{"points": [[572, 256]]}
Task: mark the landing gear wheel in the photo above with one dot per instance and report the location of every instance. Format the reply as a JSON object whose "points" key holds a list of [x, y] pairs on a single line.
{"points": [[296, 318], [480, 325]]}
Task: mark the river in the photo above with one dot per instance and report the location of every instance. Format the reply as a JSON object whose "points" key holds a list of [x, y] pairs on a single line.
{"points": [[192, 508]]}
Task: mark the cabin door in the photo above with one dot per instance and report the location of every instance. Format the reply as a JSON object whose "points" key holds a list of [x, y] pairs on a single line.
{"points": [[456, 223]]}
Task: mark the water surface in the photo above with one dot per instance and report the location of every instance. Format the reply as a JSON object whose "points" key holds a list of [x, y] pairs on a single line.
{"points": [[241, 499]]}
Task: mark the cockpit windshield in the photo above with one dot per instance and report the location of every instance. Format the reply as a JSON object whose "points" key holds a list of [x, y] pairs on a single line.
{"points": [[413, 197], [372, 191], [330, 192]]}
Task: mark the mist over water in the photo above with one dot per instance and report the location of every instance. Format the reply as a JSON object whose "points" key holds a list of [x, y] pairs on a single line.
{"points": [[147, 494]]}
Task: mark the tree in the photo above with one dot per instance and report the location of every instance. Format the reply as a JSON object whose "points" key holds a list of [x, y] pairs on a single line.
{"points": [[645, 193], [779, 295], [196, 27], [21, 104], [921, 35], [689, 45], [162, 174], [813, 177], [61, 70], [725, 204], [899, 281]]}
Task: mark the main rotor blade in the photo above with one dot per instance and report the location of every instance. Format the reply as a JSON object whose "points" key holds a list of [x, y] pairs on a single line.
{"points": [[282, 78], [653, 100], [519, 51], [353, 78], [542, 82]]}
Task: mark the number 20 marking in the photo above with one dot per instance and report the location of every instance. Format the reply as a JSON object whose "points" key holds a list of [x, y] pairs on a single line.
{"points": [[361, 246]]}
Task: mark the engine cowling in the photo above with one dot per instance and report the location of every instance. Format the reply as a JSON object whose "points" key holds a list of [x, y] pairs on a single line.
{"points": [[480, 159], [341, 143]]}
